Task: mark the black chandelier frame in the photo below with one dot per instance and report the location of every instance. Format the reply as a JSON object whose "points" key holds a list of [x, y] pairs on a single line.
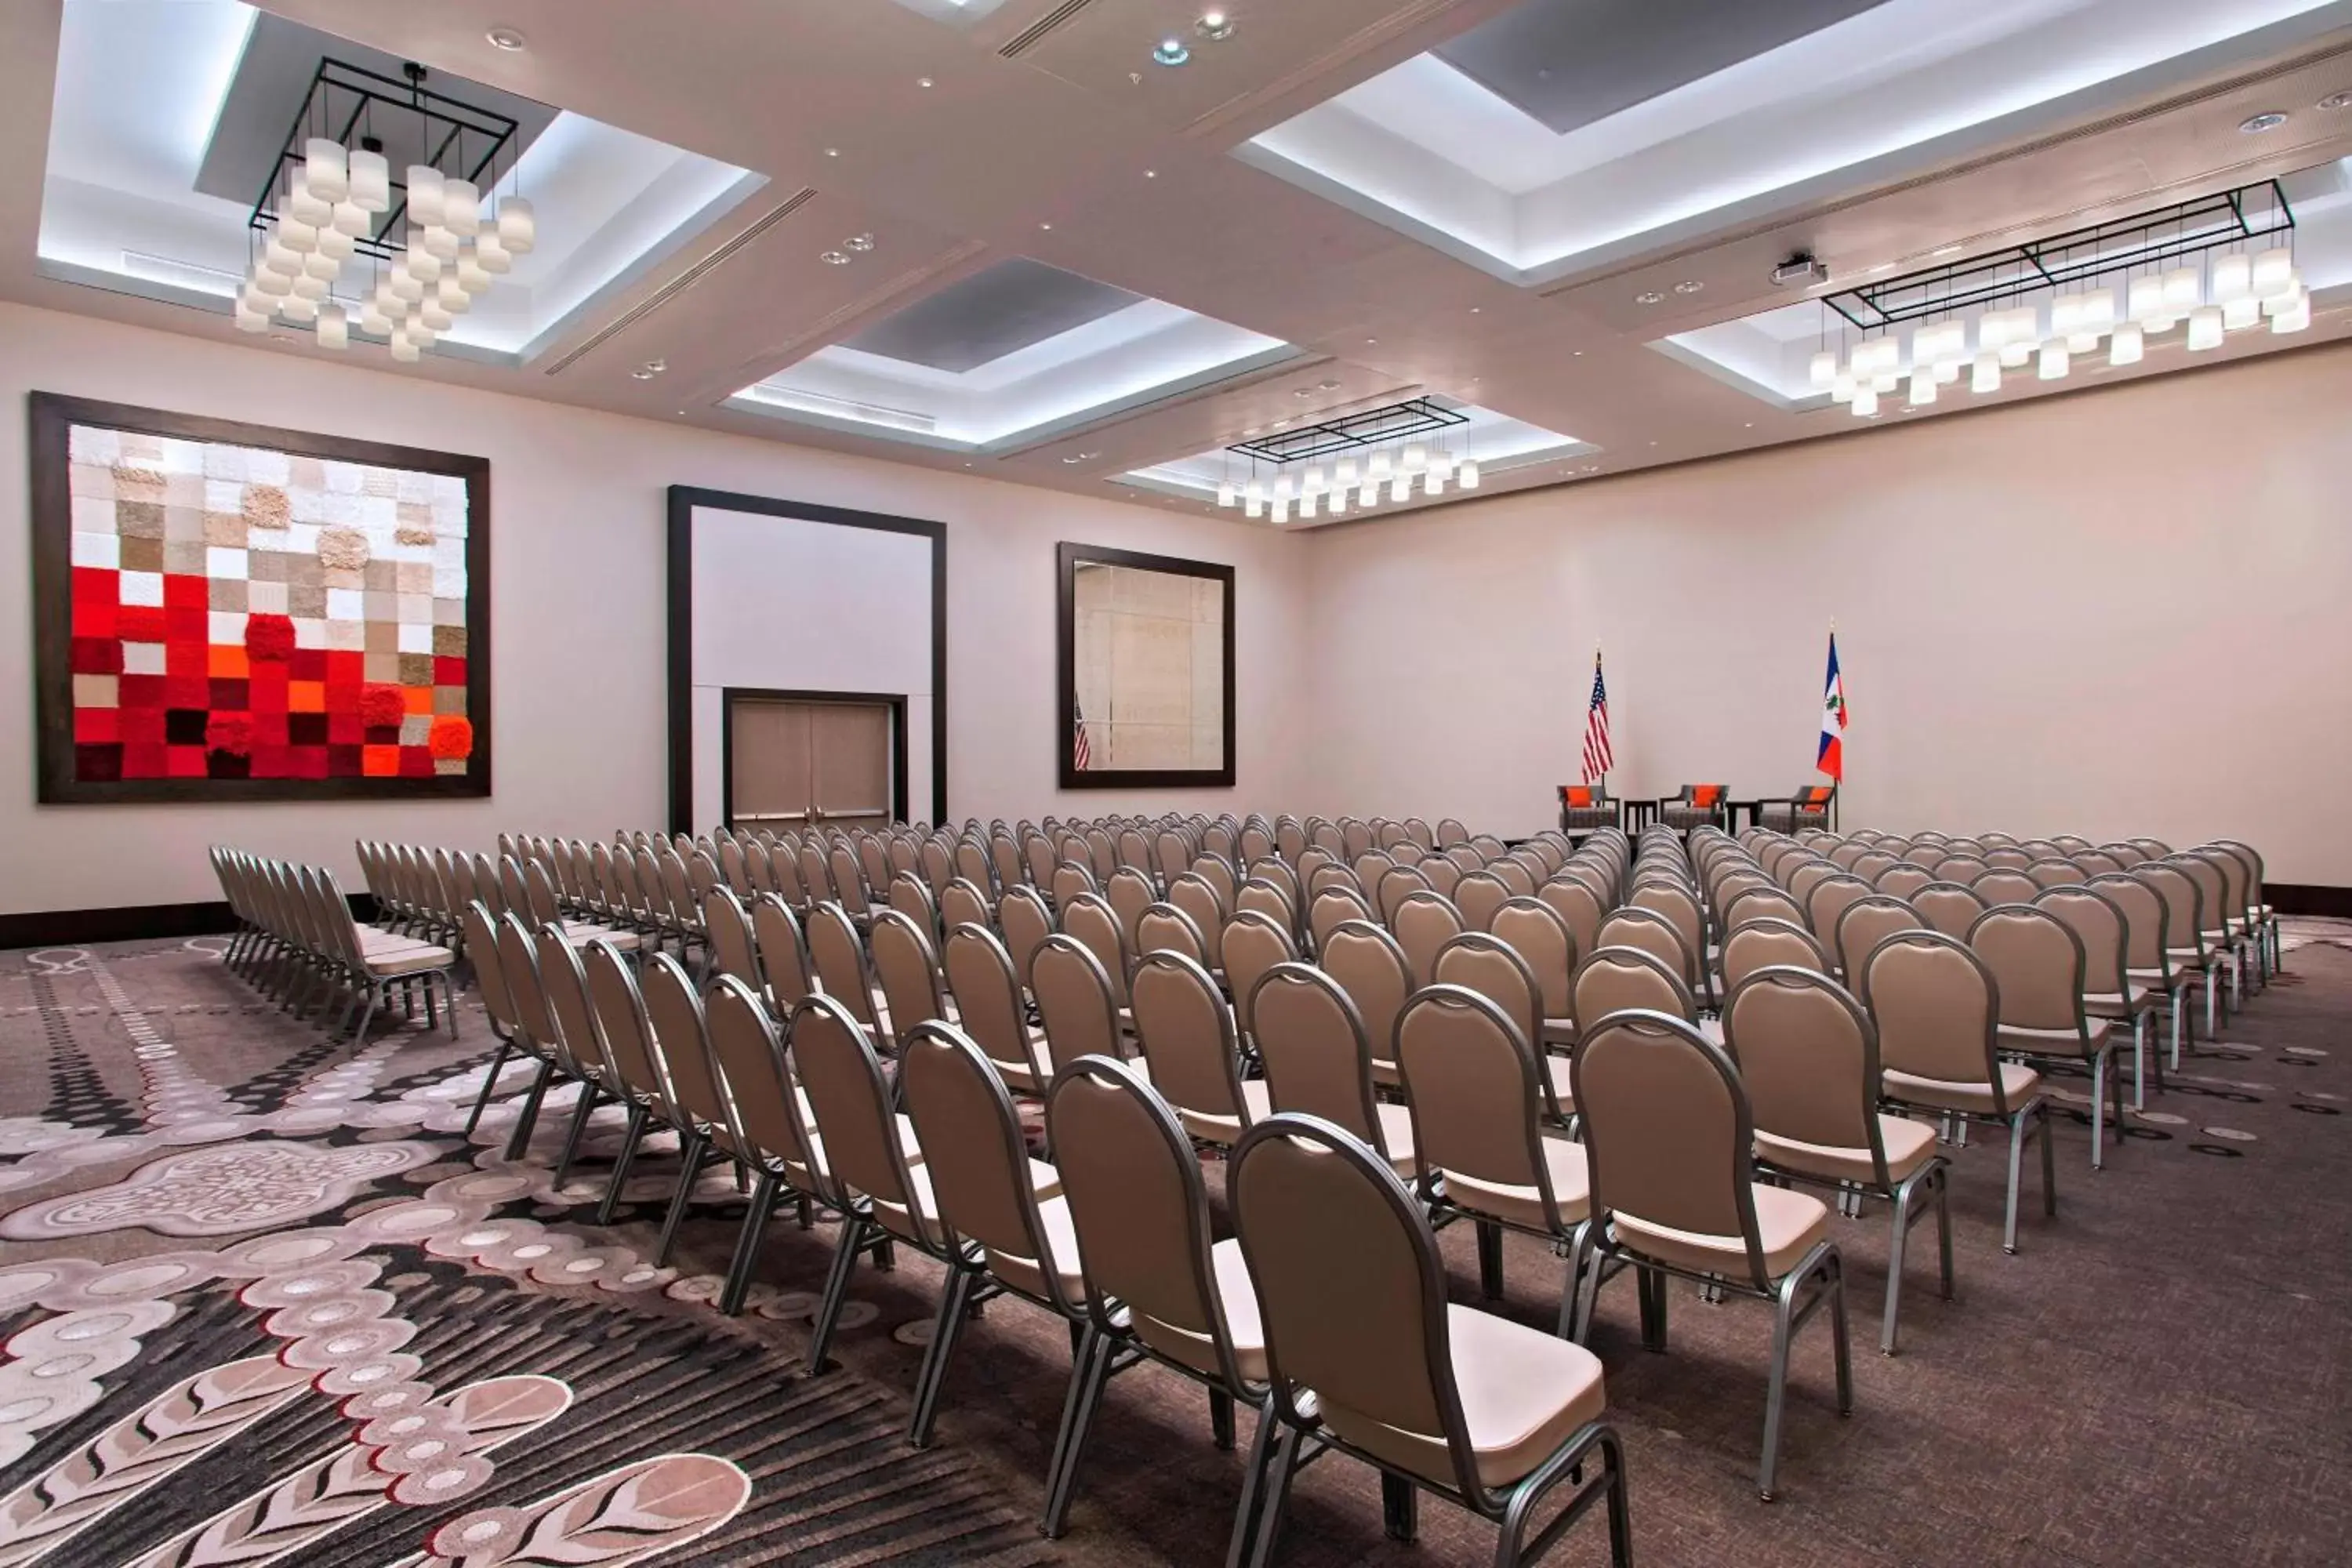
{"points": [[1351, 432]]}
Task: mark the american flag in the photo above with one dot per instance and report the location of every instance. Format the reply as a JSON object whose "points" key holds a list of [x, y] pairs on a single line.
{"points": [[1082, 756], [1596, 727]]}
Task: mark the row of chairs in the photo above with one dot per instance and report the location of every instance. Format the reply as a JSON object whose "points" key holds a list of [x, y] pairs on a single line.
{"points": [[296, 937]]}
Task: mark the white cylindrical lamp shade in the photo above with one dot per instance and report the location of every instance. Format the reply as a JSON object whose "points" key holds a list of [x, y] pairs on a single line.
{"points": [[2183, 291], [2245, 311], [334, 330], [1466, 474], [309, 287], [350, 219], [461, 208], [1823, 372], [2233, 278], [269, 280], [2126, 346], [1923, 386], [421, 265], [1865, 401], [295, 308], [424, 195], [2205, 328], [1226, 494], [2055, 362], [451, 294], [1985, 376], [371, 180], [435, 318], [326, 169], [321, 265], [490, 255], [2273, 271], [403, 349], [249, 319], [517, 226], [2295, 317]]}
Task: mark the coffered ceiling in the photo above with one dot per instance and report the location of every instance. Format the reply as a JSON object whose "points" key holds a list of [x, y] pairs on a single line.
{"points": [[1077, 266]]}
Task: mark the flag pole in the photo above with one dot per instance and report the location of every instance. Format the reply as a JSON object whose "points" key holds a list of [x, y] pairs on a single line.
{"points": [[1837, 795], [1596, 671]]}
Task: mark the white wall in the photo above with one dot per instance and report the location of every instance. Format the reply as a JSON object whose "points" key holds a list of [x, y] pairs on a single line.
{"points": [[578, 510], [2119, 611]]}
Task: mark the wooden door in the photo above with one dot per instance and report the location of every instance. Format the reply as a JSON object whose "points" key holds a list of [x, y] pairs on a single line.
{"points": [[792, 763]]}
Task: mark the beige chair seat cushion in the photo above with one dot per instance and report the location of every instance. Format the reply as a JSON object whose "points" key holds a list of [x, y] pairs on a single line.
{"points": [[1525, 1393], [1257, 1101], [2129, 1004], [1046, 1180], [2055, 1042], [2018, 1084], [1034, 1079], [908, 1146], [1061, 1239], [1571, 1190], [2153, 978], [1556, 1070], [409, 960], [1787, 1224], [577, 931], [1557, 1032], [1396, 1136], [1387, 1073], [1908, 1144]]}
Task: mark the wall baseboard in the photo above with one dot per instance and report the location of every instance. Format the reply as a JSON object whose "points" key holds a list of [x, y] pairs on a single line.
{"points": [[2308, 899], [134, 922]]}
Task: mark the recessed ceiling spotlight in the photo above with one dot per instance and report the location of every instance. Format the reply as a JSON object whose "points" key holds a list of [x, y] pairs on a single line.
{"points": [[505, 39], [1079, 458], [1328, 385], [859, 242], [1252, 431], [925, 81], [832, 152], [1151, 174], [2336, 100], [1475, 309], [1171, 51], [1304, 392], [1649, 296], [1689, 286], [833, 257], [2268, 119], [643, 373], [656, 365], [1214, 25], [1369, 342]]}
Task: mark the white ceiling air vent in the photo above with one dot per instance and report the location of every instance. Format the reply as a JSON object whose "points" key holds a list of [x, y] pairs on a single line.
{"points": [[1037, 32]]}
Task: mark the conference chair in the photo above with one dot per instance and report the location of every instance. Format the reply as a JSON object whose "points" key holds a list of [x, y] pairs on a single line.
{"points": [[1253, 943], [1937, 1008], [2109, 994], [1948, 907], [1318, 1060], [1190, 1052], [1372, 968], [1809, 1058], [2038, 963], [1769, 942], [1469, 1406], [1333, 907], [844, 970], [1535, 932], [1627, 979], [1652, 933], [1863, 925], [1426, 922]]}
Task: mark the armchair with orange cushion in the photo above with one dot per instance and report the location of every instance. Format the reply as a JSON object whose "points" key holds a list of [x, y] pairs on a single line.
{"points": [[1698, 805], [1807, 809], [1588, 808]]}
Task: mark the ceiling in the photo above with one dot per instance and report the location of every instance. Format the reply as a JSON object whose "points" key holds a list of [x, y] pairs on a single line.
{"points": [[1073, 267]]}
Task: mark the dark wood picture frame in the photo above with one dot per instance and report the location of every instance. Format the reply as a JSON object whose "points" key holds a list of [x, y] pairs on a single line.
{"points": [[52, 416], [678, 613], [1068, 558], [895, 700]]}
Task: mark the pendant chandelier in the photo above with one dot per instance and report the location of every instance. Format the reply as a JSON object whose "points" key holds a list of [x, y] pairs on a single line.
{"points": [[2210, 267], [1356, 462], [411, 254]]}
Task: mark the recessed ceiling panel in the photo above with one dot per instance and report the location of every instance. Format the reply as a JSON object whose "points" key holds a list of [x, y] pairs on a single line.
{"points": [[272, 81], [1568, 63], [1007, 308]]}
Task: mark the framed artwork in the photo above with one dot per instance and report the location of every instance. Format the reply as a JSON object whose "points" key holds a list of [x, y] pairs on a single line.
{"points": [[1145, 670], [228, 612]]}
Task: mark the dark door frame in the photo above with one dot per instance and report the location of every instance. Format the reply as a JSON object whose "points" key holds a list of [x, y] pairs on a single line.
{"points": [[679, 562], [895, 700]]}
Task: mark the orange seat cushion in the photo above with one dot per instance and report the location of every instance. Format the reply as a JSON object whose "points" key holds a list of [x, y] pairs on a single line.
{"points": [[1577, 796], [1706, 794]]}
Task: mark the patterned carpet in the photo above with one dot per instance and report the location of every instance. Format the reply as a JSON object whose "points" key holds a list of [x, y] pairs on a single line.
{"points": [[263, 1303]]}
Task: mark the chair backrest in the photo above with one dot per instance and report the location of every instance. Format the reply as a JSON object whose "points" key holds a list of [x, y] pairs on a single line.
{"points": [[2103, 929], [1164, 928], [1394, 885], [2216, 906], [1829, 898], [1372, 968], [1311, 1040], [1865, 923], [2185, 916], [1903, 879], [1187, 1033], [2038, 961], [908, 970], [839, 957], [2004, 885], [837, 1066], [1075, 1001], [1578, 902], [1140, 1209], [1769, 943], [1623, 979], [1809, 1057], [1937, 1008], [681, 1037], [625, 1028], [1130, 893], [1652, 933], [749, 1054], [1352, 1293], [564, 980], [1476, 898], [1207, 908], [1535, 931], [1423, 923], [734, 946], [2144, 926], [1948, 907], [1477, 1095], [1264, 896], [1331, 907], [1480, 962], [1668, 1133], [1253, 944], [911, 896], [975, 1157], [1024, 921], [1092, 920], [783, 951], [1677, 902]]}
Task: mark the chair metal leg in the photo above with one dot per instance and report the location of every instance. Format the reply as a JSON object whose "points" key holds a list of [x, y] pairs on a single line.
{"points": [[1490, 1260], [855, 1233], [1944, 1227], [1088, 1373], [1276, 1502], [489, 1084], [945, 1331], [2048, 1165], [1776, 1394], [2140, 1061], [629, 1136], [1399, 1507], [1620, 1515], [1841, 1341], [1572, 1288], [2016, 1170], [529, 1120], [1894, 1266], [1220, 1420], [747, 1244], [2099, 1110], [575, 1132], [1254, 1477], [690, 1153]]}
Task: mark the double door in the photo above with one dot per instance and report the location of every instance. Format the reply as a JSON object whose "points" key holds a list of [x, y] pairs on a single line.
{"points": [[795, 761]]}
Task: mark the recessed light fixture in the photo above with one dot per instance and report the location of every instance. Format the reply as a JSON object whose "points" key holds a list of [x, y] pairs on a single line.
{"points": [[1046, 228], [505, 39], [643, 373], [833, 257], [1214, 25], [1369, 342], [1475, 309], [2336, 100], [1304, 392], [924, 82], [1171, 51], [1649, 296], [1328, 385], [859, 242], [1151, 174], [1689, 286], [656, 366], [832, 152], [2268, 119]]}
